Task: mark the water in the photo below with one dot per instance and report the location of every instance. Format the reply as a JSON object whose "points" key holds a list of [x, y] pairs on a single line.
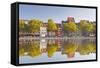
{"points": [[56, 50]]}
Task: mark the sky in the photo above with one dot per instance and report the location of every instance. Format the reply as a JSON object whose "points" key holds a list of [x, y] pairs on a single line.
{"points": [[28, 12]]}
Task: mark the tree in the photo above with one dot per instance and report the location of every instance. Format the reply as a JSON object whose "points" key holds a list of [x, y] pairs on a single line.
{"points": [[21, 25], [26, 29], [83, 24], [34, 25], [86, 27], [70, 26], [70, 29], [90, 27], [51, 25]]}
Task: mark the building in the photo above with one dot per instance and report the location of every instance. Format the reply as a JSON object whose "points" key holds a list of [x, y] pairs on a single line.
{"points": [[43, 30], [59, 30], [66, 32], [70, 19]]}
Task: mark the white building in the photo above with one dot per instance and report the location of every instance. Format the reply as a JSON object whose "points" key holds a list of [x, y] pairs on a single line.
{"points": [[43, 31]]}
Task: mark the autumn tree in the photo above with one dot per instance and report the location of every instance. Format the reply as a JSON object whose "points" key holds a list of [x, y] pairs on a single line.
{"points": [[34, 25], [70, 28], [90, 27], [21, 25], [51, 25], [86, 27], [27, 28]]}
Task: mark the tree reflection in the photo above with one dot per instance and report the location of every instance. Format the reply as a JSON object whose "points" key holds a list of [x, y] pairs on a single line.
{"points": [[21, 50], [69, 48], [51, 49], [87, 47], [34, 49]]}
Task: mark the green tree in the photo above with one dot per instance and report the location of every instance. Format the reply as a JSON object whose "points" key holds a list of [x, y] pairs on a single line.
{"points": [[70, 26], [70, 29], [90, 27], [86, 27], [51, 25], [26, 29], [21, 25], [83, 24], [34, 25]]}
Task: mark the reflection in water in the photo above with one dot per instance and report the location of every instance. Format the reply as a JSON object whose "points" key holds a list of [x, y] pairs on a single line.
{"points": [[70, 47], [89, 46], [64, 47], [84, 47]]}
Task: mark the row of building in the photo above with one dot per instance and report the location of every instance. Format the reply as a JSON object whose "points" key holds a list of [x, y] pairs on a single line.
{"points": [[59, 32]]}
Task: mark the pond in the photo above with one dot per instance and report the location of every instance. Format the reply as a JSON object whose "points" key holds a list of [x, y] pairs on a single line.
{"points": [[56, 50]]}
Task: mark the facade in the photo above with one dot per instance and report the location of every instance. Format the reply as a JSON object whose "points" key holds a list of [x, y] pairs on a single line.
{"points": [[43, 31], [59, 31], [69, 19]]}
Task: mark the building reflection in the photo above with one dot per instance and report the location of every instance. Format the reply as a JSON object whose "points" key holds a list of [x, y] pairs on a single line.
{"points": [[68, 47]]}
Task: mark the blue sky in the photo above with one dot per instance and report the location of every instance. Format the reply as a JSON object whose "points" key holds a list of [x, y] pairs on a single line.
{"points": [[58, 14]]}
